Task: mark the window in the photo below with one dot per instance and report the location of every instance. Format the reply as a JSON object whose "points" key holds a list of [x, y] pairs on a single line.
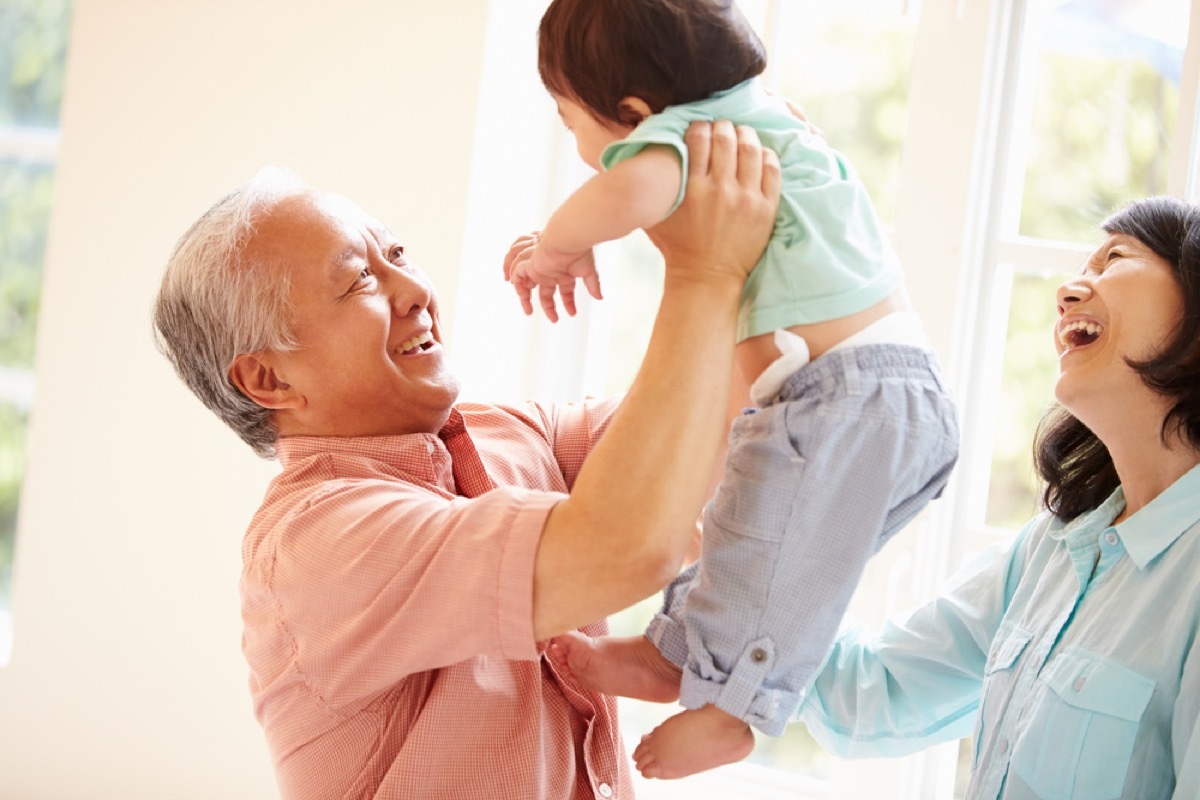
{"points": [[994, 136], [31, 77], [849, 68], [1093, 111]]}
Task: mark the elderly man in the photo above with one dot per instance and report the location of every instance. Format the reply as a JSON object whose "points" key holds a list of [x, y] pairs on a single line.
{"points": [[413, 554]]}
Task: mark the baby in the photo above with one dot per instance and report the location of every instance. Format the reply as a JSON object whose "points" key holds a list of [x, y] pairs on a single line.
{"points": [[851, 431]]}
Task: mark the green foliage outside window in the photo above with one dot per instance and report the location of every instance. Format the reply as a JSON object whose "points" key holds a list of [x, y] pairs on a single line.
{"points": [[32, 55], [1100, 137], [33, 43]]}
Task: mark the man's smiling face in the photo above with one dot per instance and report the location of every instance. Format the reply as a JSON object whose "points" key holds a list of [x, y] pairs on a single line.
{"points": [[370, 358]]}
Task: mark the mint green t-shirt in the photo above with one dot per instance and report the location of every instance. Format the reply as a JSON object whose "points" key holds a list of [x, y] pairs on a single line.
{"points": [[828, 256]]}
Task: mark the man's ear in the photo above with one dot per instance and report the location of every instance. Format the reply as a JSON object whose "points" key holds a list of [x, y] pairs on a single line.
{"points": [[632, 110], [257, 378]]}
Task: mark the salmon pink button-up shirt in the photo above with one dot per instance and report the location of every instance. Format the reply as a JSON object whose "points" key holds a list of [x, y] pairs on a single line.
{"points": [[387, 601]]}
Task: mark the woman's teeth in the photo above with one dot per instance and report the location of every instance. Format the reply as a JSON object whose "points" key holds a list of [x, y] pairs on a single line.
{"points": [[1081, 332]]}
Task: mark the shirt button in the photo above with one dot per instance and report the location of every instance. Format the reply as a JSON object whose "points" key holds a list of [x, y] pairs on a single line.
{"points": [[758, 655], [1078, 684], [605, 790], [1111, 538], [1003, 748]]}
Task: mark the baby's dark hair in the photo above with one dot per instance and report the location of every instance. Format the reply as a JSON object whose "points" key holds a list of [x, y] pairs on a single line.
{"points": [[665, 52]]}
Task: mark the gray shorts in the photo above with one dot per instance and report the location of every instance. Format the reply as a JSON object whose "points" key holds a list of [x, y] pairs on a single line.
{"points": [[855, 445]]}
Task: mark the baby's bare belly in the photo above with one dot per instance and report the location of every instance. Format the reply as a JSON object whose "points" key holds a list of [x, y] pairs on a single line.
{"points": [[756, 353]]}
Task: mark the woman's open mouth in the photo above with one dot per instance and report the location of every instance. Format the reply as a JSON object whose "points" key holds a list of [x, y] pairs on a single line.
{"points": [[1079, 333]]}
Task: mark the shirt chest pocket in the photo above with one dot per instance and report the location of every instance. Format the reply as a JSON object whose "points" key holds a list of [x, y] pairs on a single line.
{"points": [[1080, 737], [1011, 640]]}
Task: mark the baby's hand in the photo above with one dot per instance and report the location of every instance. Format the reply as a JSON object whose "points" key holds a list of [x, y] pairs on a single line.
{"points": [[531, 263], [555, 270], [516, 262]]}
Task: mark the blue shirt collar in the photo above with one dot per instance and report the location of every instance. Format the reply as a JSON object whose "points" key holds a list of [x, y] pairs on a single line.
{"points": [[1154, 528], [1151, 530]]}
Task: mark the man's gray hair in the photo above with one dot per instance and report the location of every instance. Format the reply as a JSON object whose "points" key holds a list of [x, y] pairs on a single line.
{"points": [[216, 303]]}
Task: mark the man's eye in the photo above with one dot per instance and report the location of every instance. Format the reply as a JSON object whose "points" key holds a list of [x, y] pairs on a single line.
{"points": [[396, 254]]}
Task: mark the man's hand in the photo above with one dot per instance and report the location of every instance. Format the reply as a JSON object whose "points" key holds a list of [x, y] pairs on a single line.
{"points": [[721, 228], [630, 519]]}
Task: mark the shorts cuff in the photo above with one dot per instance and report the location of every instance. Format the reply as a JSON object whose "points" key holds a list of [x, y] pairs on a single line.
{"points": [[742, 693], [669, 636]]}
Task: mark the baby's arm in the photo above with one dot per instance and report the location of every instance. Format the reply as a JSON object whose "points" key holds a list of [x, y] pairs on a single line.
{"points": [[637, 193]]}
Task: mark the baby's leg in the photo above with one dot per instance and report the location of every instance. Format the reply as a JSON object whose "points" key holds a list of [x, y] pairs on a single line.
{"points": [[693, 741], [625, 666]]}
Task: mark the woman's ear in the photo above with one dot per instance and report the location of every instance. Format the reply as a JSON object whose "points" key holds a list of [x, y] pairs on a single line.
{"points": [[257, 378], [632, 110]]}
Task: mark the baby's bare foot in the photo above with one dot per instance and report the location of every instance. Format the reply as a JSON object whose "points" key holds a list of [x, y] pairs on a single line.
{"points": [[626, 666], [693, 741]]}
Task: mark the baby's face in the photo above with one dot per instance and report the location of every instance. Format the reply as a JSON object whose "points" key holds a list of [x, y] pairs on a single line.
{"points": [[591, 135]]}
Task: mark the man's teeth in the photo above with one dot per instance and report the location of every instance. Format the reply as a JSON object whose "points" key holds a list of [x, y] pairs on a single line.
{"points": [[1079, 332], [416, 341]]}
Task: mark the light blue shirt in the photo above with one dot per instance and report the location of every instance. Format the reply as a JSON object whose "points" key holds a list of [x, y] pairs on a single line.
{"points": [[828, 256], [1074, 652]]}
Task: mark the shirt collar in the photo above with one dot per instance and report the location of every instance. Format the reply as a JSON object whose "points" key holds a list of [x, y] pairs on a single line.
{"points": [[1094, 521], [1154, 528], [420, 458], [399, 448]]}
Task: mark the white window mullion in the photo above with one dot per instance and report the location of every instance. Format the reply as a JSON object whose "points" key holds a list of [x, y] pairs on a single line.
{"points": [[1182, 178], [36, 145]]}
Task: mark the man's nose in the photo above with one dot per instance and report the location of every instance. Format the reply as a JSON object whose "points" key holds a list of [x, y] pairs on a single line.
{"points": [[406, 291]]}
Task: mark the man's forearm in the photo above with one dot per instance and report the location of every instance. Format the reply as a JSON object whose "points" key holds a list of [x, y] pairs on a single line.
{"points": [[630, 517], [629, 520]]}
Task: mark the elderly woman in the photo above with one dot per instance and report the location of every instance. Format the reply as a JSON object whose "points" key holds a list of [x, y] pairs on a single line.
{"points": [[1074, 650]]}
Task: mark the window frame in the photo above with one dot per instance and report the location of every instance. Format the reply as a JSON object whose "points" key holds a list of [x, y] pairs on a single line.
{"points": [[949, 233]]}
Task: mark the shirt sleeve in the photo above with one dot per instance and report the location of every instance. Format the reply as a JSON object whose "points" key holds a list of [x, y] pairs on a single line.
{"points": [[381, 580], [917, 682], [571, 429], [664, 129], [576, 429]]}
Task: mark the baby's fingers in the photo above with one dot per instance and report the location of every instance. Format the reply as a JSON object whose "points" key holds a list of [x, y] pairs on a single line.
{"points": [[549, 308], [592, 282], [519, 248], [566, 290], [524, 290]]}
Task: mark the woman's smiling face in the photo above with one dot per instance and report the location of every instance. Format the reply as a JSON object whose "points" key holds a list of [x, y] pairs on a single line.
{"points": [[1125, 305]]}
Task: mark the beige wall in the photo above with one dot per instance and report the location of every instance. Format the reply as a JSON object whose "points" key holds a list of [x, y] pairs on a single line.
{"points": [[127, 679]]}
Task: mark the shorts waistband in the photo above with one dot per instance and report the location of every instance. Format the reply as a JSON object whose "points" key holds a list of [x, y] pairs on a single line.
{"points": [[850, 366]]}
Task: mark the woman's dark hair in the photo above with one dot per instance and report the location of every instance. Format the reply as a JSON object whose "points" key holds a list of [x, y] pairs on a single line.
{"points": [[1074, 463], [665, 52]]}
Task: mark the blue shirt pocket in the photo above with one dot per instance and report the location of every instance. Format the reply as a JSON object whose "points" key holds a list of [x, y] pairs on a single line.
{"points": [[1010, 641], [1080, 736]]}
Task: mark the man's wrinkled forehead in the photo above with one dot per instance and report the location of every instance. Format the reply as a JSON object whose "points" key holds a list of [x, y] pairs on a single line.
{"points": [[312, 225], [347, 211]]}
